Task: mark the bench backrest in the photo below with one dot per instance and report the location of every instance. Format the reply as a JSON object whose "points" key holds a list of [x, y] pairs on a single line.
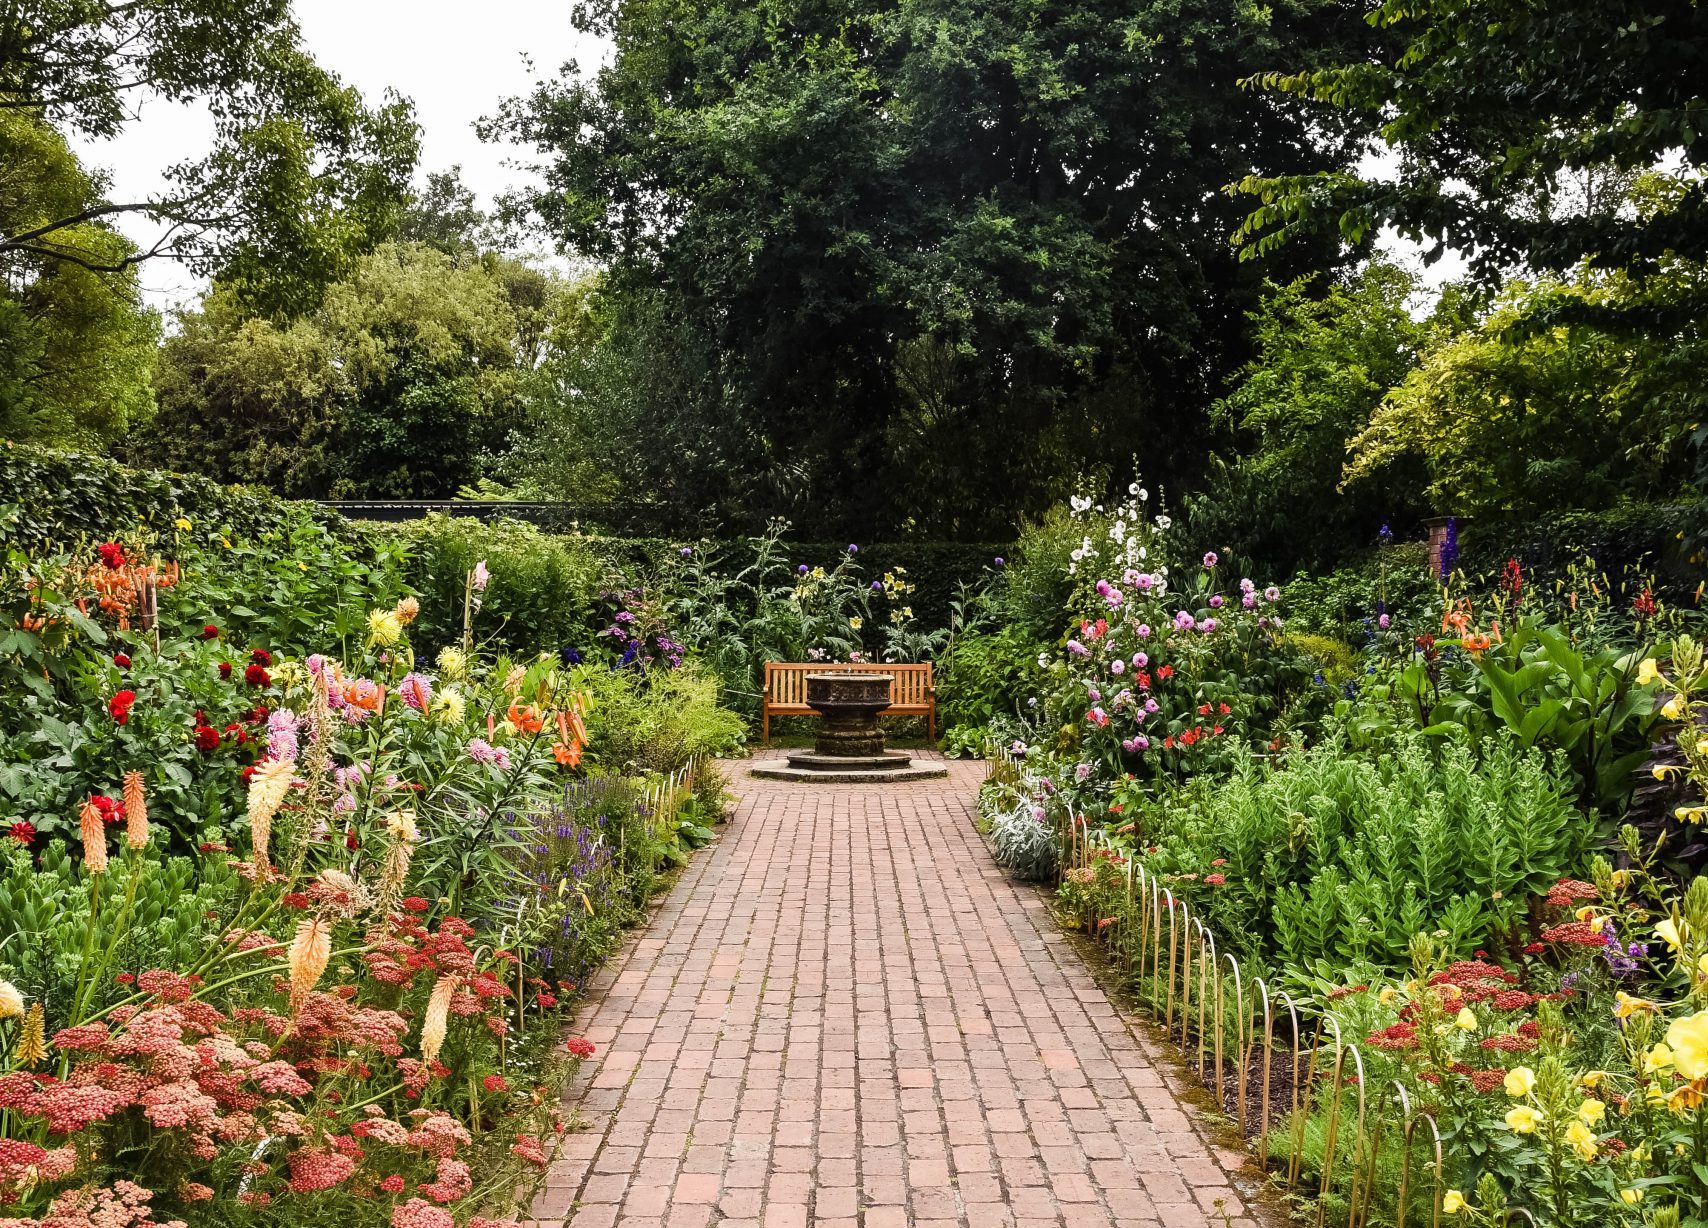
{"points": [[786, 681]]}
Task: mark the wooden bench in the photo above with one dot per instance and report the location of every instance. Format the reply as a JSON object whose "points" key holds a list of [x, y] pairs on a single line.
{"points": [[911, 694]]}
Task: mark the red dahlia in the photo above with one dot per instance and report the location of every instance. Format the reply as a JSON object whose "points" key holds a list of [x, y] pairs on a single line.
{"points": [[119, 706], [256, 675]]}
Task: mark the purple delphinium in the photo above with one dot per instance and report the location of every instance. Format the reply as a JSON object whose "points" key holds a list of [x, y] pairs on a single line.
{"points": [[1449, 547]]}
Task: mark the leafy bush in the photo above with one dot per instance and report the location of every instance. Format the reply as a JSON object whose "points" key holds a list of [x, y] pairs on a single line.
{"points": [[1326, 857]]}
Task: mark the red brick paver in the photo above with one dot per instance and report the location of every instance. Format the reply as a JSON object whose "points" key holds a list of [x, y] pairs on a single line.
{"points": [[845, 1015]]}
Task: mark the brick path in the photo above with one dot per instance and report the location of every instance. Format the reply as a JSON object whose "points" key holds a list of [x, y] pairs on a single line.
{"points": [[844, 1014]]}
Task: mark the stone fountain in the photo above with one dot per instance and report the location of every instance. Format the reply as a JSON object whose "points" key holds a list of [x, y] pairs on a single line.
{"points": [[850, 747]]}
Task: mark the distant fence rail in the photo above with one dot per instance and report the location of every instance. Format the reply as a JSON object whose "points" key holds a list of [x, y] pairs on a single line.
{"points": [[624, 518]]}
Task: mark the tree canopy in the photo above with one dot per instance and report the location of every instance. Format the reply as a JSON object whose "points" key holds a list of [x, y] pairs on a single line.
{"points": [[302, 175], [913, 264], [1501, 115]]}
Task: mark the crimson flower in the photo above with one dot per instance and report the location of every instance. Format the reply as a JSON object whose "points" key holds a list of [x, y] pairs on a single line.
{"points": [[121, 660], [112, 555], [495, 1083], [119, 706], [207, 737], [579, 1047], [256, 675], [225, 669], [23, 831], [210, 632], [260, 656]]}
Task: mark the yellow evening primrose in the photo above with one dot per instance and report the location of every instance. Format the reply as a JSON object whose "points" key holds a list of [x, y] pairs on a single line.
{"points": [[1452, 1202], [1673, 708], [1523, 1119], [1668, 930], [1520, 1081], [1687, 1038], [1685, 1097], [1591, 1079], [1702, 966], [1467, 1019], [1388, 994], [1591, 1111], [1647, 672], [1690, 814], [856, 622], [1631, 1195], [182, 524], [1582, 1140], [1657, 1059]]}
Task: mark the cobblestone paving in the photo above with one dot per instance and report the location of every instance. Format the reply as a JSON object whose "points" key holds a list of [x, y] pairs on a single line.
{"points": [[845, 1015]]}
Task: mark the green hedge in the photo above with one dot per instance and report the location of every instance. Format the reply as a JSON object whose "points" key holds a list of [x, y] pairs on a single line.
{"points": [[68, 496], [1646, 537], [544, 585]]}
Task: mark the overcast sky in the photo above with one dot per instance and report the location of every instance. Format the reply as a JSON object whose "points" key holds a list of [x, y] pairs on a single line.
{"points": [[454, 59]]}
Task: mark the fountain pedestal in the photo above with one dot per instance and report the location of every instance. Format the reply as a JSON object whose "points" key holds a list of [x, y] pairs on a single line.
{"points": [[850, 746]]}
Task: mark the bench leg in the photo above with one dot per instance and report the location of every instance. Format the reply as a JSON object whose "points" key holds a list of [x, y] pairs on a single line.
{"points": [[765, 723], [931, 723]]}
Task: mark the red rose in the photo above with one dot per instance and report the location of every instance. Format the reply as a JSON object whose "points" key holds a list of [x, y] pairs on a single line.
{"points": [[256, 675], [225, 669], [210, 632], [112, 555], [23, 831], [260, 656], [207, 737], [120, 704], [121, 660]]}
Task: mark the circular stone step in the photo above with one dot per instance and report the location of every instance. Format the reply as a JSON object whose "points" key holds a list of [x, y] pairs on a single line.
{"points": [[782, 769], [815, 761]]}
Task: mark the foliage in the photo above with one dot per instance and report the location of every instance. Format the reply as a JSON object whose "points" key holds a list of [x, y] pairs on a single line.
{"points": [[76, 346], [1348, 602], [1513, 131], [410, 371], [926, 246], [1533, 402], [1023, 839], [302, 175], [1326, 357]]}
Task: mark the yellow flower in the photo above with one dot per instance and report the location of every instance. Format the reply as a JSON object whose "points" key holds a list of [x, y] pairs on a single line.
{"points": [[407, 609], [182, 524], [1685, 1097], [31, 1048], [1388, 994], [1631, 1196], [1690, 814], [1647, 672], [449, 706], [1587, 915], [1523, 1119], [1672, 709], [1591, 1079], [1687, 1038], [1657, 1059], [1520, 1081], [1624, 1006], [452, 663], [1582, 1139], [856, 622], [1621, 879], [1467, 1019], [385, 628], [11, 1001], [1591, 1111], [1668, 929], [1452, 1202]]}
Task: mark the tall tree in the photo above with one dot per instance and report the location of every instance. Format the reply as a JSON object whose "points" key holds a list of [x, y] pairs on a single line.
{"points": [[914, 262], [302, 175], [76, 346], [1500, 116], [403, 383]]}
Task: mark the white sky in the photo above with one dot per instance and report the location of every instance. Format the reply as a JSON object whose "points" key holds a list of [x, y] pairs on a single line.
{"points": [[455, 60]]}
